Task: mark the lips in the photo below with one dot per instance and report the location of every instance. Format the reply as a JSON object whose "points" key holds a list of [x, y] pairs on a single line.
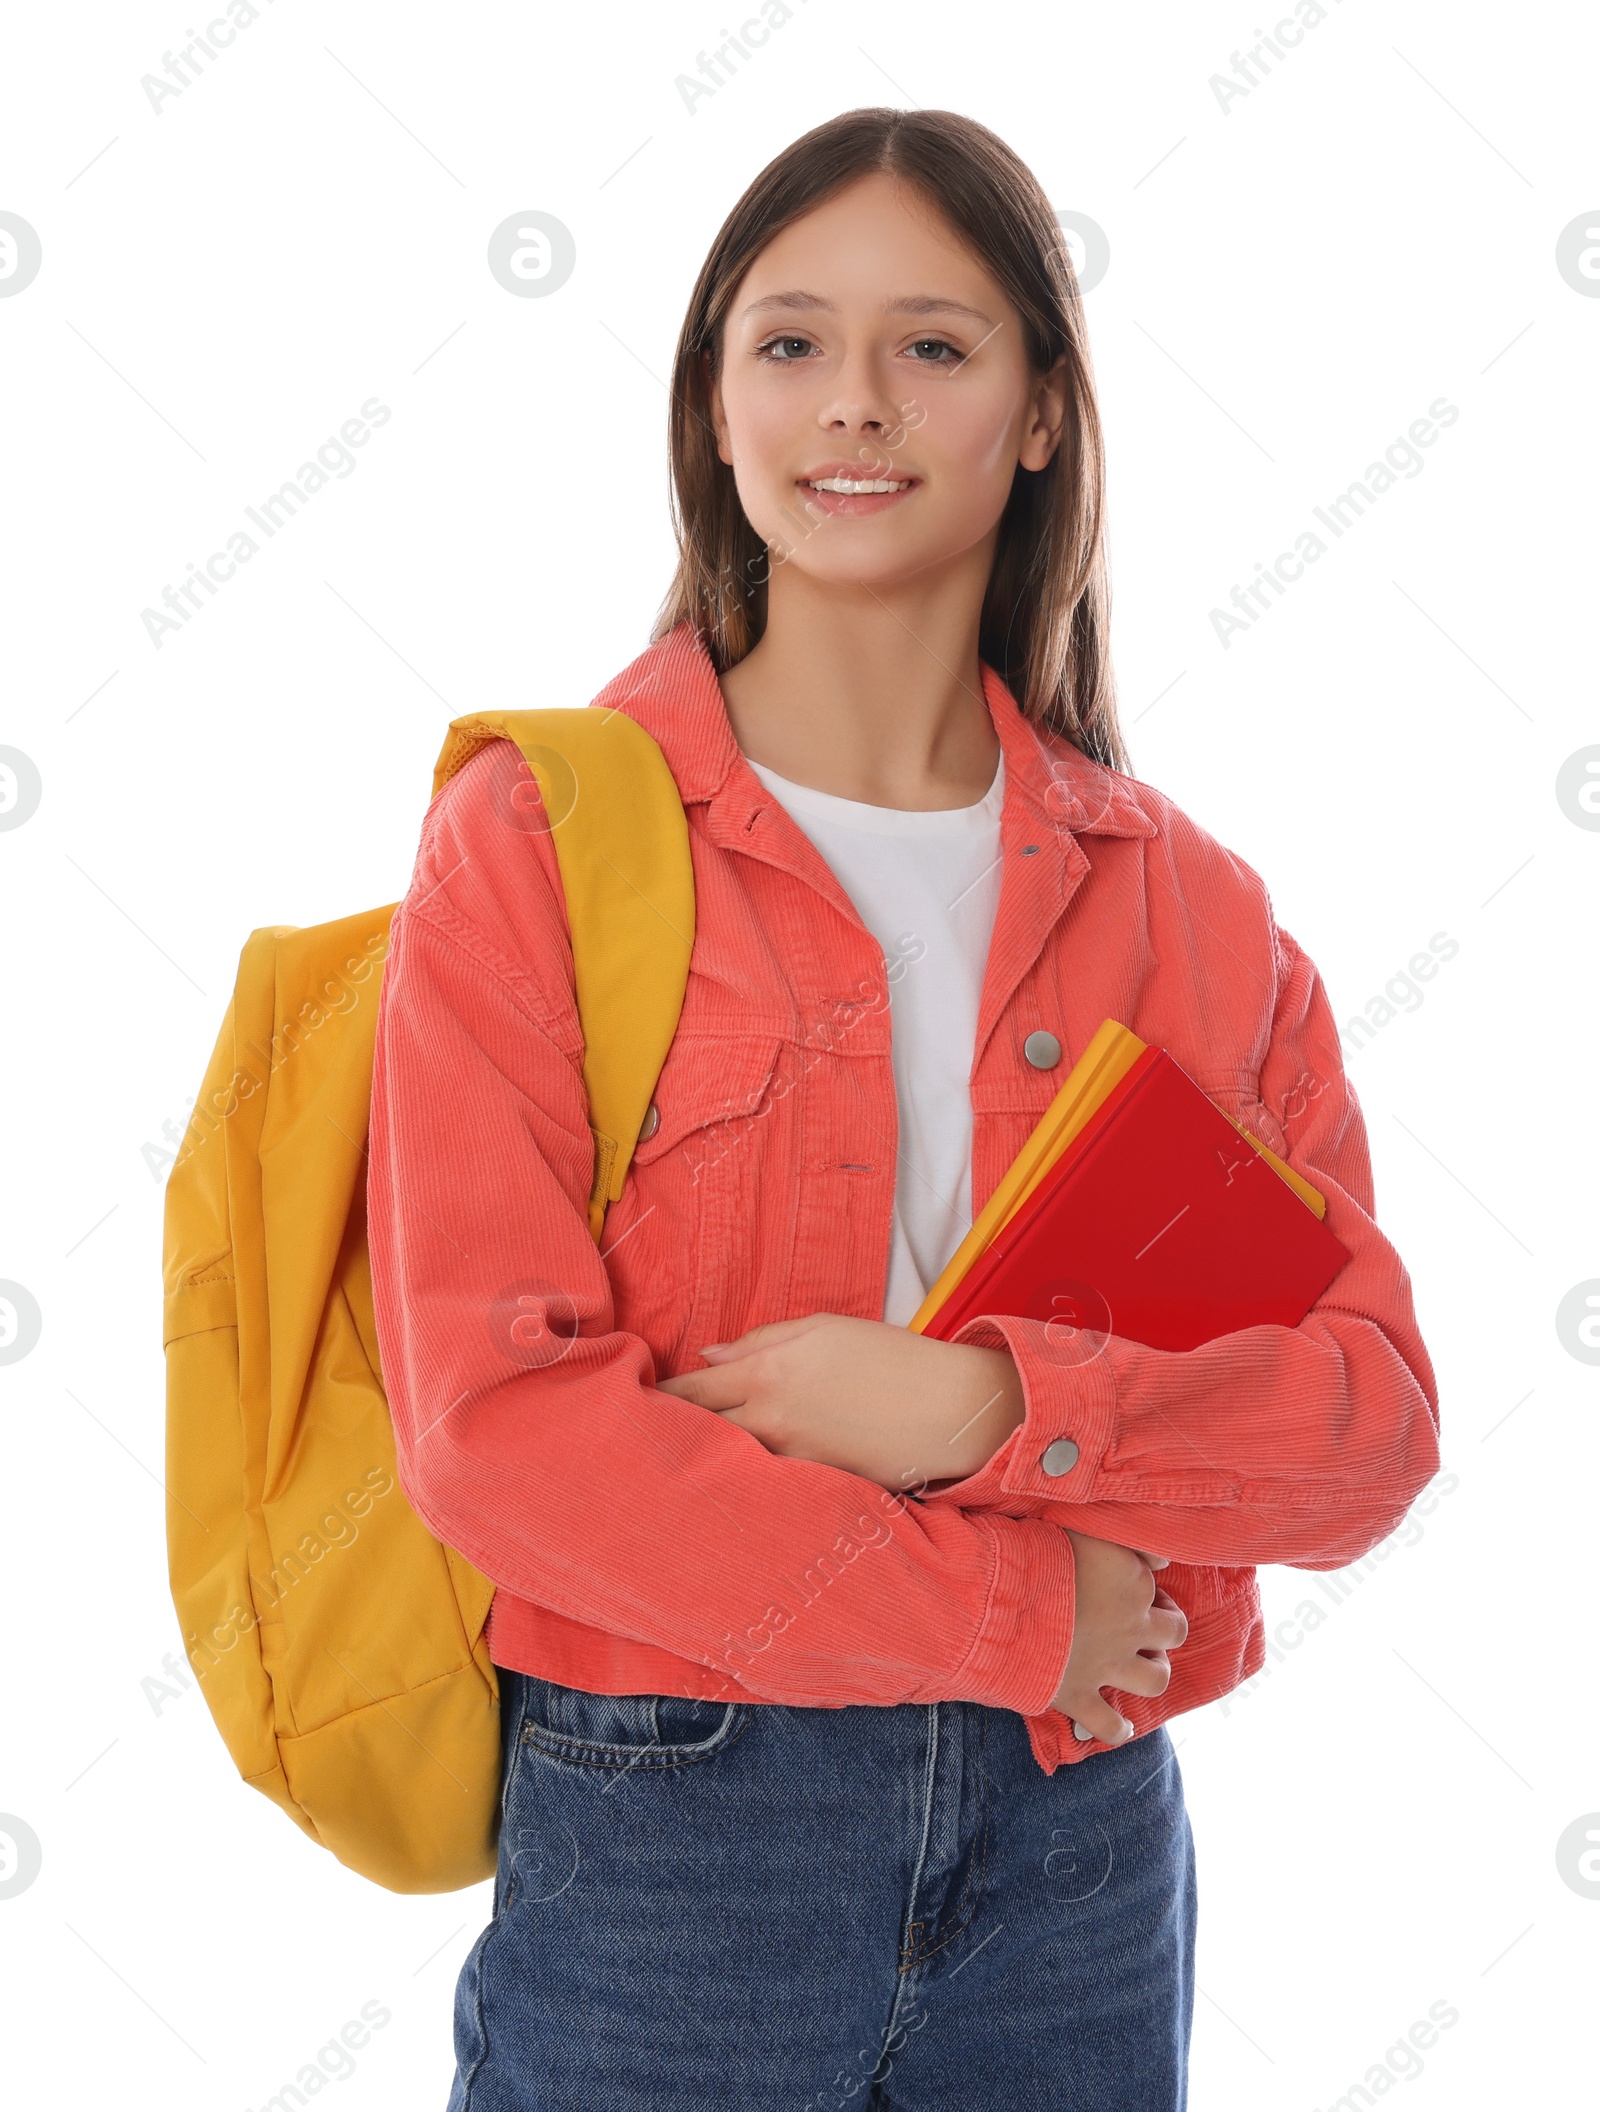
{"points": [[862, 472], [854, 505]]}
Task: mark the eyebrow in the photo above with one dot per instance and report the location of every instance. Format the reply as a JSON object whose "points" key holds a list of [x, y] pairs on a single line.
{"points": [[906, 304]]}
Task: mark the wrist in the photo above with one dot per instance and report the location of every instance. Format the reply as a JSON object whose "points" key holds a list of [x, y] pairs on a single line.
{"points": [[991, 1405]]}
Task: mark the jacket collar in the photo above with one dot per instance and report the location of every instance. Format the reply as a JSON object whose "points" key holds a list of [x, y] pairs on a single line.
{"points": [[1054, 795], [671, 689]]}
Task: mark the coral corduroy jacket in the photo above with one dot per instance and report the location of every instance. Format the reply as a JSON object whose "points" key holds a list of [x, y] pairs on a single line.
{"points": [[642, 1544]]}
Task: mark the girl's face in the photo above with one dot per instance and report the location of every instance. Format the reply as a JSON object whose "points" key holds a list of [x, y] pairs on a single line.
{"points": [[868, 342]]}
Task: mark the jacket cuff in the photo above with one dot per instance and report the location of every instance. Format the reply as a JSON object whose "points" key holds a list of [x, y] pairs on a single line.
{"points": [[1025, 1637], [1069, 1392]]}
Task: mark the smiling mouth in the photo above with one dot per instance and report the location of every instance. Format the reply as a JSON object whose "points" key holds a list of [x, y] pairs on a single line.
{"points": [[858, 487]]}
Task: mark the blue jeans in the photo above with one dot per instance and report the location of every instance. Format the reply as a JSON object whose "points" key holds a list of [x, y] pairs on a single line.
{"points": [[703, 1905]]}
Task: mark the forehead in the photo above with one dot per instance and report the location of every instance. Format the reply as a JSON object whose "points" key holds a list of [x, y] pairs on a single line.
{"points": [[877, 246]]}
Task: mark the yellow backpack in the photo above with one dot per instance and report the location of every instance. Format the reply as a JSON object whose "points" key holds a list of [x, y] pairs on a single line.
{"points": [[339, 1645]]}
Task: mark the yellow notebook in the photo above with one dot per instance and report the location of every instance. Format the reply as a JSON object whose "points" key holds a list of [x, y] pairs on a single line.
{"points": [[1107, 1059]]}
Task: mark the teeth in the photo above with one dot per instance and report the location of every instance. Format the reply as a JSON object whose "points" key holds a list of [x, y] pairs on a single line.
{"points": [[857, 485]]}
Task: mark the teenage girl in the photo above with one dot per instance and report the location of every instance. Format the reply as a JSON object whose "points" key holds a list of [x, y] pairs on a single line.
{"points": [[836, 1661]]}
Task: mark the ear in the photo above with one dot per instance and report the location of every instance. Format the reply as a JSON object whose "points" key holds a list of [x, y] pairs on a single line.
{"points": [[714, 411], [1048, 417]]}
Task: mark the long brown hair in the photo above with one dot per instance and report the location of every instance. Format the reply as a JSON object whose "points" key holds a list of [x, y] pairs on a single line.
{"points": [[1045, 621]]}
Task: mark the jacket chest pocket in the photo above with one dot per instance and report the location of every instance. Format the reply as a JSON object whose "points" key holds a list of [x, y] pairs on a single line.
{"points": [[682, 1243]]}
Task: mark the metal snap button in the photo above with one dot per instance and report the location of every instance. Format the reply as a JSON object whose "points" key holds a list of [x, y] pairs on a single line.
{"points": [[651, 1122], [1042, 1050], [1059, 1458]]}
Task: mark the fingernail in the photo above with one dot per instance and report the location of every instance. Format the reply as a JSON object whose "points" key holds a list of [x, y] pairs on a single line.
{"points": [[1079, 1732]]}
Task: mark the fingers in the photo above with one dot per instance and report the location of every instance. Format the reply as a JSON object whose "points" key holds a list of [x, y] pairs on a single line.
{"points": [[1096, 1718], [1093, 1716], [1166, 1623], [769, 1333], [1155, 1561], [683, 1388], [708, 1389], [1148, 1672]]}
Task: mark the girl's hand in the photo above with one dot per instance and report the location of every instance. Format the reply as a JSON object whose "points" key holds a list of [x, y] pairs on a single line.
{"points": [[877, 1400], [1123, 1626]]}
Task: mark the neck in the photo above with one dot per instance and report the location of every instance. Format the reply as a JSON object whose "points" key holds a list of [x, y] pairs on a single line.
{"points": [[874, 697]]}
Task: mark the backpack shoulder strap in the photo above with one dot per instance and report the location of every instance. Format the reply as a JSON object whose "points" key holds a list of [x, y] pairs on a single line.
{"points": [[622, 845]]}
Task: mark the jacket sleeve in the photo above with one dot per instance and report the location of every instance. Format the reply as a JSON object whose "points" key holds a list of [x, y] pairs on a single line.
{"points": [[530, 1433], [1297, 1445]]}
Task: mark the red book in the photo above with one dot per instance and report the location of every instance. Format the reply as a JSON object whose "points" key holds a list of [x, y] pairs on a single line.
{"points": [[1160, 1222]]}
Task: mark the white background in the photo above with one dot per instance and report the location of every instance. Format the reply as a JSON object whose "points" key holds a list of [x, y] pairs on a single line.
{"points": [[1292, 282]]}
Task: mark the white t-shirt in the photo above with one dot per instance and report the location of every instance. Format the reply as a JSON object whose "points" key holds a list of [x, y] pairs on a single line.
{"points": [[927, 886]]}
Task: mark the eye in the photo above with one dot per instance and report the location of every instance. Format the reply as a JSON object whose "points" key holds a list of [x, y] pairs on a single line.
{"points": [[943, 344], [766, 350]]}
